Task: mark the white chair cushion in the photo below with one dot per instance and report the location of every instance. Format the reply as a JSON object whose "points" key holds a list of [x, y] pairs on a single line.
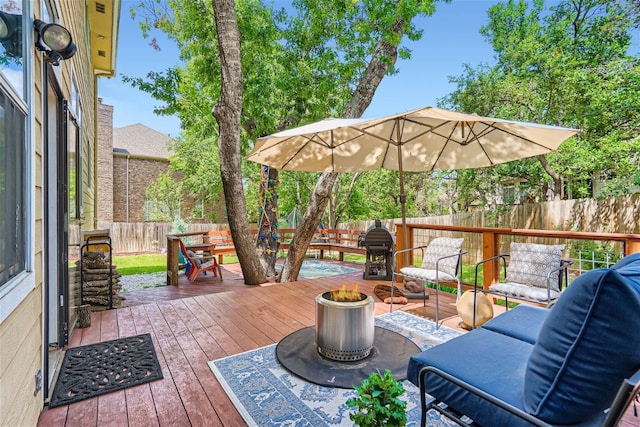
{"points": [[518, 290], [530, 263], [425, 275], [438, 248]]}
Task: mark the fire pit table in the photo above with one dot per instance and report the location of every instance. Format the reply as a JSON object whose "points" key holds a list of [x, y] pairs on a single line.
{"points": [[345, 346]]}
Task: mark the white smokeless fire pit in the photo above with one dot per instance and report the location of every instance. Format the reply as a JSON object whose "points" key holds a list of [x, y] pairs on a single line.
{"points": [[345, 326]]}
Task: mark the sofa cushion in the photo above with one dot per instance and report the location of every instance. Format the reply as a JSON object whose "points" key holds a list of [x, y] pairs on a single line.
{"points": [[522, 322], [441, 247], [587, 345], [531, 263], [627, 260], [480, 359]]}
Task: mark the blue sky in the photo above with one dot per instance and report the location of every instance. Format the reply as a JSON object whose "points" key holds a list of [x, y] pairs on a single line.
{"points": [[451, 38]]}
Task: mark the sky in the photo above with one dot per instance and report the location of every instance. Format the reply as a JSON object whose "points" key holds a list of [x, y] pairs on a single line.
{"points": [[451, 39]]}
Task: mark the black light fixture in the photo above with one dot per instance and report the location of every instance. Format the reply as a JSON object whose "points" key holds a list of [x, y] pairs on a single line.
{"points": [[11, 34], [55, 41]]}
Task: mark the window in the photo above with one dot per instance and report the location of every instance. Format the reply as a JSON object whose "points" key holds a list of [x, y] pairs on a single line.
{"points": [[198, 209], [89, 153], [74, 171], [13, 189], [11, 49], [509, 194]]}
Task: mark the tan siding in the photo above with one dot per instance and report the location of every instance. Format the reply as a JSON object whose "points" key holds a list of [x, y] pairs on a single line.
{"points": [[21, 333], [21, 336]]}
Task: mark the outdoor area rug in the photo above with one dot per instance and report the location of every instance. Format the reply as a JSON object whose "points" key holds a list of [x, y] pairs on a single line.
{"points": [[266, 394], [314, 269], [93, 370]]}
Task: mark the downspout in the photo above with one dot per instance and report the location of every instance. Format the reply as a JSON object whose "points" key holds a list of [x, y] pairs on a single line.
{"points": [[127, 187]]}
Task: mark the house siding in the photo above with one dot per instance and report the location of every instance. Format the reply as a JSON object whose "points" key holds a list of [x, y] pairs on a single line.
{"points": [[22, 325], [20, 356]]}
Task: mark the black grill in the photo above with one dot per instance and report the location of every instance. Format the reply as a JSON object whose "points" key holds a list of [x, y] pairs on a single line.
{"points": [[379, 244]]}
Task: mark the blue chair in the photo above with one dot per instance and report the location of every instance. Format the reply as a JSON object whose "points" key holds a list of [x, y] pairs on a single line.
{"points": [[576, 364]]}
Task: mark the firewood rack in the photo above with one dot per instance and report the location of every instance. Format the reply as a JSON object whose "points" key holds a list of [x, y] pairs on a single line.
{"points": [[97, 238]]}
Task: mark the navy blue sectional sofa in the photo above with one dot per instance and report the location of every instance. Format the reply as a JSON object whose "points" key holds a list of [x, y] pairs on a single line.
{"points": [[538, 366]]}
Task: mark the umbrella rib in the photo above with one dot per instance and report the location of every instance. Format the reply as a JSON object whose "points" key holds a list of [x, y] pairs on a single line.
{"points": [[310, 139]]}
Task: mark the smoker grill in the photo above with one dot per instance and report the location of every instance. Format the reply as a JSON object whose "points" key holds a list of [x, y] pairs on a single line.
{"points": [[378, 243]]}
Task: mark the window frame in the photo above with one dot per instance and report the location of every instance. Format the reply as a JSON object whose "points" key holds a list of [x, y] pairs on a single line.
{"points": [[18, 288]]}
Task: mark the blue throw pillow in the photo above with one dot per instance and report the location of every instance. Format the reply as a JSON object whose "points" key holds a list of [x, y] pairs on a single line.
{"points": [[587, 346]]}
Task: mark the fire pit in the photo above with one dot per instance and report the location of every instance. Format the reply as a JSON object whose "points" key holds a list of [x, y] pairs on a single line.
{"points": [[344, 325]]}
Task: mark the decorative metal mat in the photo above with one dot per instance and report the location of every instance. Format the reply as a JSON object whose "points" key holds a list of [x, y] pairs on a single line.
{"points": [[93, 370]]}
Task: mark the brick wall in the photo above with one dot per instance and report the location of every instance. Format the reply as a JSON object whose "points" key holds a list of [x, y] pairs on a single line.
{"points": [[142, 173], [104, 178], [114, 190]]}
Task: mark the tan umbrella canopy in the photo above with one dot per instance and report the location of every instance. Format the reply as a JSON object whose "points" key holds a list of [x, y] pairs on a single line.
{"points": [[425, 139]]}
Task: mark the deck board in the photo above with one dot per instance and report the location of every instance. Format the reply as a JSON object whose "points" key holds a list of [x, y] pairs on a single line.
{"points": [[191, 324]]}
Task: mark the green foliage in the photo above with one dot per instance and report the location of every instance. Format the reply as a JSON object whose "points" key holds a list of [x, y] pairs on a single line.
{"points": [[590, 254], [140, 264], [179, 226], [378, 402], [565, 65], [300, 64], [164, 197]]}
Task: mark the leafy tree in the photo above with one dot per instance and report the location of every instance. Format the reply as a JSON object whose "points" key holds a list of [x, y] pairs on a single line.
{"points": [[321, 59], [380, 26], [564, 66], [165, 195], [228, 112]]}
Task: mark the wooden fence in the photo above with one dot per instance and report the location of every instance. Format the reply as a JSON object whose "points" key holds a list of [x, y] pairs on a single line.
{"points": [[612, 215], [143, 237]]}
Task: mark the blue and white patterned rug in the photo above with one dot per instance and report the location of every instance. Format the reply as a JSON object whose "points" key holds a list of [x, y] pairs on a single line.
{"points": [[266, 394]]}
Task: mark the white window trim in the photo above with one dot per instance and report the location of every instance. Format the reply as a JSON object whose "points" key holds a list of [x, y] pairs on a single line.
{"points": [[13, 293]]}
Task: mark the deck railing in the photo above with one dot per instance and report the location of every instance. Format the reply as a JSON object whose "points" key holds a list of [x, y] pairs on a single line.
{"points": [[587, 250]]}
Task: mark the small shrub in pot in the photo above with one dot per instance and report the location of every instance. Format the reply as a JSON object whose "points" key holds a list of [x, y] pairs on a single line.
{"points": [[378, 402]]}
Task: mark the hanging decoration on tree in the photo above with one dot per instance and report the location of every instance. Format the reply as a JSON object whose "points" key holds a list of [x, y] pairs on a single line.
{"points": [[267, 241]]}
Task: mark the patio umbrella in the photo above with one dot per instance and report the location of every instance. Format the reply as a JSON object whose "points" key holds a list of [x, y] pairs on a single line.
{"points": [[426, 139]]}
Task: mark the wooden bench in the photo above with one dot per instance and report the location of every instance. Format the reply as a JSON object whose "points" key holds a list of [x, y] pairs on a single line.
{"points": [[219, 243], [327, 239]]}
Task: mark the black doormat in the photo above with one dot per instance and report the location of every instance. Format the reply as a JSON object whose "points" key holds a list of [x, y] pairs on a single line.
{"points": [[93, 370], [298, 353]]}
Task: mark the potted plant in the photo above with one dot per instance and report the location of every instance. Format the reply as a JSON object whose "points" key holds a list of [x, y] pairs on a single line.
{"points": [[378, 402]]}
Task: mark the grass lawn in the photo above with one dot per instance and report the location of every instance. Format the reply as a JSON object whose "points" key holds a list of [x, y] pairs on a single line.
{"points": [[140, 264]]}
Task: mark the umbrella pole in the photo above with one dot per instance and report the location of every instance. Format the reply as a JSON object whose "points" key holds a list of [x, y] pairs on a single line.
{"points": [[403, 196]]}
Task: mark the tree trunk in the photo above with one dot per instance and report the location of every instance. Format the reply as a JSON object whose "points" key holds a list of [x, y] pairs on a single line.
{"points": [[227, 113], [383, 59], [557, 179], [267, 239]]}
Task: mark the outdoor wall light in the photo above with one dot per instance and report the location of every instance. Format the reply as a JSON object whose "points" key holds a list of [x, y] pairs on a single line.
{"points": [[55, 41], [11, 34]]}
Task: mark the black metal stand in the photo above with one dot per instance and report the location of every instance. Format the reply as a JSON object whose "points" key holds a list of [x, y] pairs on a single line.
{"points": [[378, 263], [96, 241]]}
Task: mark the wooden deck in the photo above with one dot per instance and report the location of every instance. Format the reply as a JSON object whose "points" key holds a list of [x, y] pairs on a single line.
{"points": [[191, 324]]}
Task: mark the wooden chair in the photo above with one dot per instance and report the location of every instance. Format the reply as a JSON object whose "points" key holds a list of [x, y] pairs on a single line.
{"points": [[197, 265]]}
